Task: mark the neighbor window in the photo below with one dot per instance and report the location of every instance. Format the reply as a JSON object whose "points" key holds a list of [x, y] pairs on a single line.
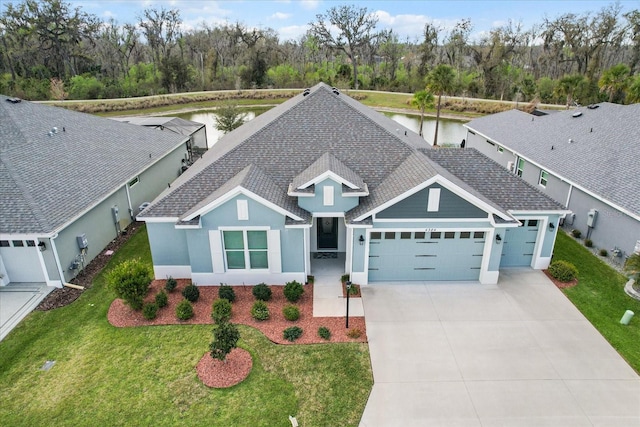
{"points": [[246, 249], [520, 167], [543, 178], [134, 181]]}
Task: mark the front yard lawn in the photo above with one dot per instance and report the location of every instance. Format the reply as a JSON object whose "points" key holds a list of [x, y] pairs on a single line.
{"points": [[600, 296], [107, 376]]}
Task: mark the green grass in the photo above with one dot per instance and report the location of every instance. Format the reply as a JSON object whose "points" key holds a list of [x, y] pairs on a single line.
{"points": [[204, 105], [600, 296], [107, 376]]}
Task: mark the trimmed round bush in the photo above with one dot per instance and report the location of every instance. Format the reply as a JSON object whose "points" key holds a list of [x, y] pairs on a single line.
{"points": [[291, 312], [262, 292], [150, 310], [293, 291], [563, 271], [588, 243], [226, 292], [171, 284], [603, 252], [191, 293], [184, 310], [130, 281], [576, 233], [324, 333], [260, 311], [292, 333], [221, 310], [162, 300]]}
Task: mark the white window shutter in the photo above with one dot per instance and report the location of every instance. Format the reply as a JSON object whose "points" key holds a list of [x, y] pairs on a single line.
{"points": [[327, 191], [243, 210], [217, 256], [275, 258], [433, 203]]}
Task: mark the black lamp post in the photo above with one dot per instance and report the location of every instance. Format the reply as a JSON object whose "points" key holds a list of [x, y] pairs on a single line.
{"points": [[348, 286]]}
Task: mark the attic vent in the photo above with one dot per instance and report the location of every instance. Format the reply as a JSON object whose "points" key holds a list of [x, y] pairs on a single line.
{"points": [[14, 100], [335, 91], [593, 106], [306, 92], [576, 114]]}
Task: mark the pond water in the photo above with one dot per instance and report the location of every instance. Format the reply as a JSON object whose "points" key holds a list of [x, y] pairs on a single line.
{"points": [[450, 132]]}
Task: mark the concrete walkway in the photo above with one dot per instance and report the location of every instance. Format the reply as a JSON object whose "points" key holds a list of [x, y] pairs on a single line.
{"points": [[16, 301], [513, 354], [327, 289]]}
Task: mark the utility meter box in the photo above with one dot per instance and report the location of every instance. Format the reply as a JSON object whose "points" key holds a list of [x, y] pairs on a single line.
{"points": [[82, 241], [115, 211], [591, 218]]}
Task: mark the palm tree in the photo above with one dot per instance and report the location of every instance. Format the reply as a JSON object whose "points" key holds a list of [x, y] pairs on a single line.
{"points": [[633, 92], [422, 99], [614, 80], [568, 85], [440, 81]]}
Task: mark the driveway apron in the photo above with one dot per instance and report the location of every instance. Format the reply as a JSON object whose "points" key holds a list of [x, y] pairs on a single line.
{"points": [[513, 354]]}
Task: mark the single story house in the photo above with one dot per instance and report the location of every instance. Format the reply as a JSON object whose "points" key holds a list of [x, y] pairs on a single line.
{"points": [[584, 158], [70, 183], [323, 174]]}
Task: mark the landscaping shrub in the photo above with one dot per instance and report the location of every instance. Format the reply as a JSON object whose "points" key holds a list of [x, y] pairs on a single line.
{"points": [[171, 284], [260, 311], [130, 281], [184, 310], [293, 291], [262, 292], [576, 233], [588, 243], [226, 292], [354, 333], [191, 292], [162, 300], [150, 310], [344, 278], [292, 333], [563, 271], [603, 252], [221, 310], [225, 339], [291, 312], [324, 333]]}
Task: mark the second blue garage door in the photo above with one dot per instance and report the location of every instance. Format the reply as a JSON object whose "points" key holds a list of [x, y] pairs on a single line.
{"points": [[519, 244]]}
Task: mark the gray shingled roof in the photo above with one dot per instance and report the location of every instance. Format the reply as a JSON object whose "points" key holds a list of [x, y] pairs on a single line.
{"points": [[174, 124], [602, 157], [302, 138], [45, 181]]}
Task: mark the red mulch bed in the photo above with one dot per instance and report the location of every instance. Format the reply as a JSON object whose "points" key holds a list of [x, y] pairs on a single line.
{"points": [[121, 315], [216, 374], [559, 284]]}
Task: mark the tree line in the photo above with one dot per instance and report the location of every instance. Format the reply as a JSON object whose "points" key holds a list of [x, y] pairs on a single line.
{"points": [[50, 50]]}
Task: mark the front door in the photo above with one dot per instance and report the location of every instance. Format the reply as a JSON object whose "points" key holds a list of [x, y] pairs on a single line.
{"points": [[327, 233]]}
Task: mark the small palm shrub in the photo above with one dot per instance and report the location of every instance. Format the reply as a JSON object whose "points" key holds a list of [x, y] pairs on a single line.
{"points": [[354, 333], [221, 310], [324, 333], [576, 233], [563, 271], [226, 292], [162, 300], [262, 292], [291, 312], [184, 310], [292, 333], [130, 281], [171, 284], [293, 291], [150, 311], [191, 292], [588, 243], [260, 311], [344, 278], [603, 252]]}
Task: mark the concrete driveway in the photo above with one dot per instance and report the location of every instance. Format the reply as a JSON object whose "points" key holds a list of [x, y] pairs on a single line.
{"points": [[513, 354]]}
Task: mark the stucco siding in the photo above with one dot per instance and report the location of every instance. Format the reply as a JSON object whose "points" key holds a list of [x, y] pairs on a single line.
{"points": [[316, 203], [199, 251], [168, 244], [292, 250], [226, 215]]}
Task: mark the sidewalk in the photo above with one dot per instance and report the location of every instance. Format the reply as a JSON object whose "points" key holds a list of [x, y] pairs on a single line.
{"points": [[327, 289]]}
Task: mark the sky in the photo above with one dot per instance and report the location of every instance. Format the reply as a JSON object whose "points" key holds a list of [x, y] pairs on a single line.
{"points": [[290, 18]]}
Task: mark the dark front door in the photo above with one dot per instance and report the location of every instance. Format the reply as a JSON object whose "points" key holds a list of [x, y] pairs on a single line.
{"points": [[327, 233]]}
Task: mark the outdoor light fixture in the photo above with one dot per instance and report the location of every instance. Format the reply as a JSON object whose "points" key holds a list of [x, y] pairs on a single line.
{"points": [[551, 226], [42, 246], [361, 240], [498, 238]]}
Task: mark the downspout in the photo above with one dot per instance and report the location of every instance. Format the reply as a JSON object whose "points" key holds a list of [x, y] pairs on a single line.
{"points": [[55, 256], [126, 188]]}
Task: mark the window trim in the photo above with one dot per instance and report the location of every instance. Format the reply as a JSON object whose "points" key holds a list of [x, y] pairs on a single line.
{"points": [[520, 167], [245, 249], [544, 176]]}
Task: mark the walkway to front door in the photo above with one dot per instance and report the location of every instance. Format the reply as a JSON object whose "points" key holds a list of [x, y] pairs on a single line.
{"points": [[327, 288]]}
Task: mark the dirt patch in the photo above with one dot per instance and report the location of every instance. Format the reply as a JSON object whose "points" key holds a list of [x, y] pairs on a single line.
{"points": [[559, 284], [64, 296], [217, 374], [121, 315]]}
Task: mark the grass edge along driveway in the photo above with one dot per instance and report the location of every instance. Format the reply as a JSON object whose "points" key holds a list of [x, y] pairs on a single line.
{"points": [[601, 298], [107, 376]]}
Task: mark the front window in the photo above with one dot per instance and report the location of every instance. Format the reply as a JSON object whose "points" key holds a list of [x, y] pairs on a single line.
{"points": [[543, 178], [520, 167], [246, 249]]}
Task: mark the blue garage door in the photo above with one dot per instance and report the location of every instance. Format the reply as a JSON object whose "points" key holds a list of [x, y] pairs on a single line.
{"points": [[519, 244], [425, 256]]}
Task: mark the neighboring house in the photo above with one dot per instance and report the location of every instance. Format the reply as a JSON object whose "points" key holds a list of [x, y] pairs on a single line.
{"points": [[321, 173], [70, 183], [585, 158], [197, 132]]}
